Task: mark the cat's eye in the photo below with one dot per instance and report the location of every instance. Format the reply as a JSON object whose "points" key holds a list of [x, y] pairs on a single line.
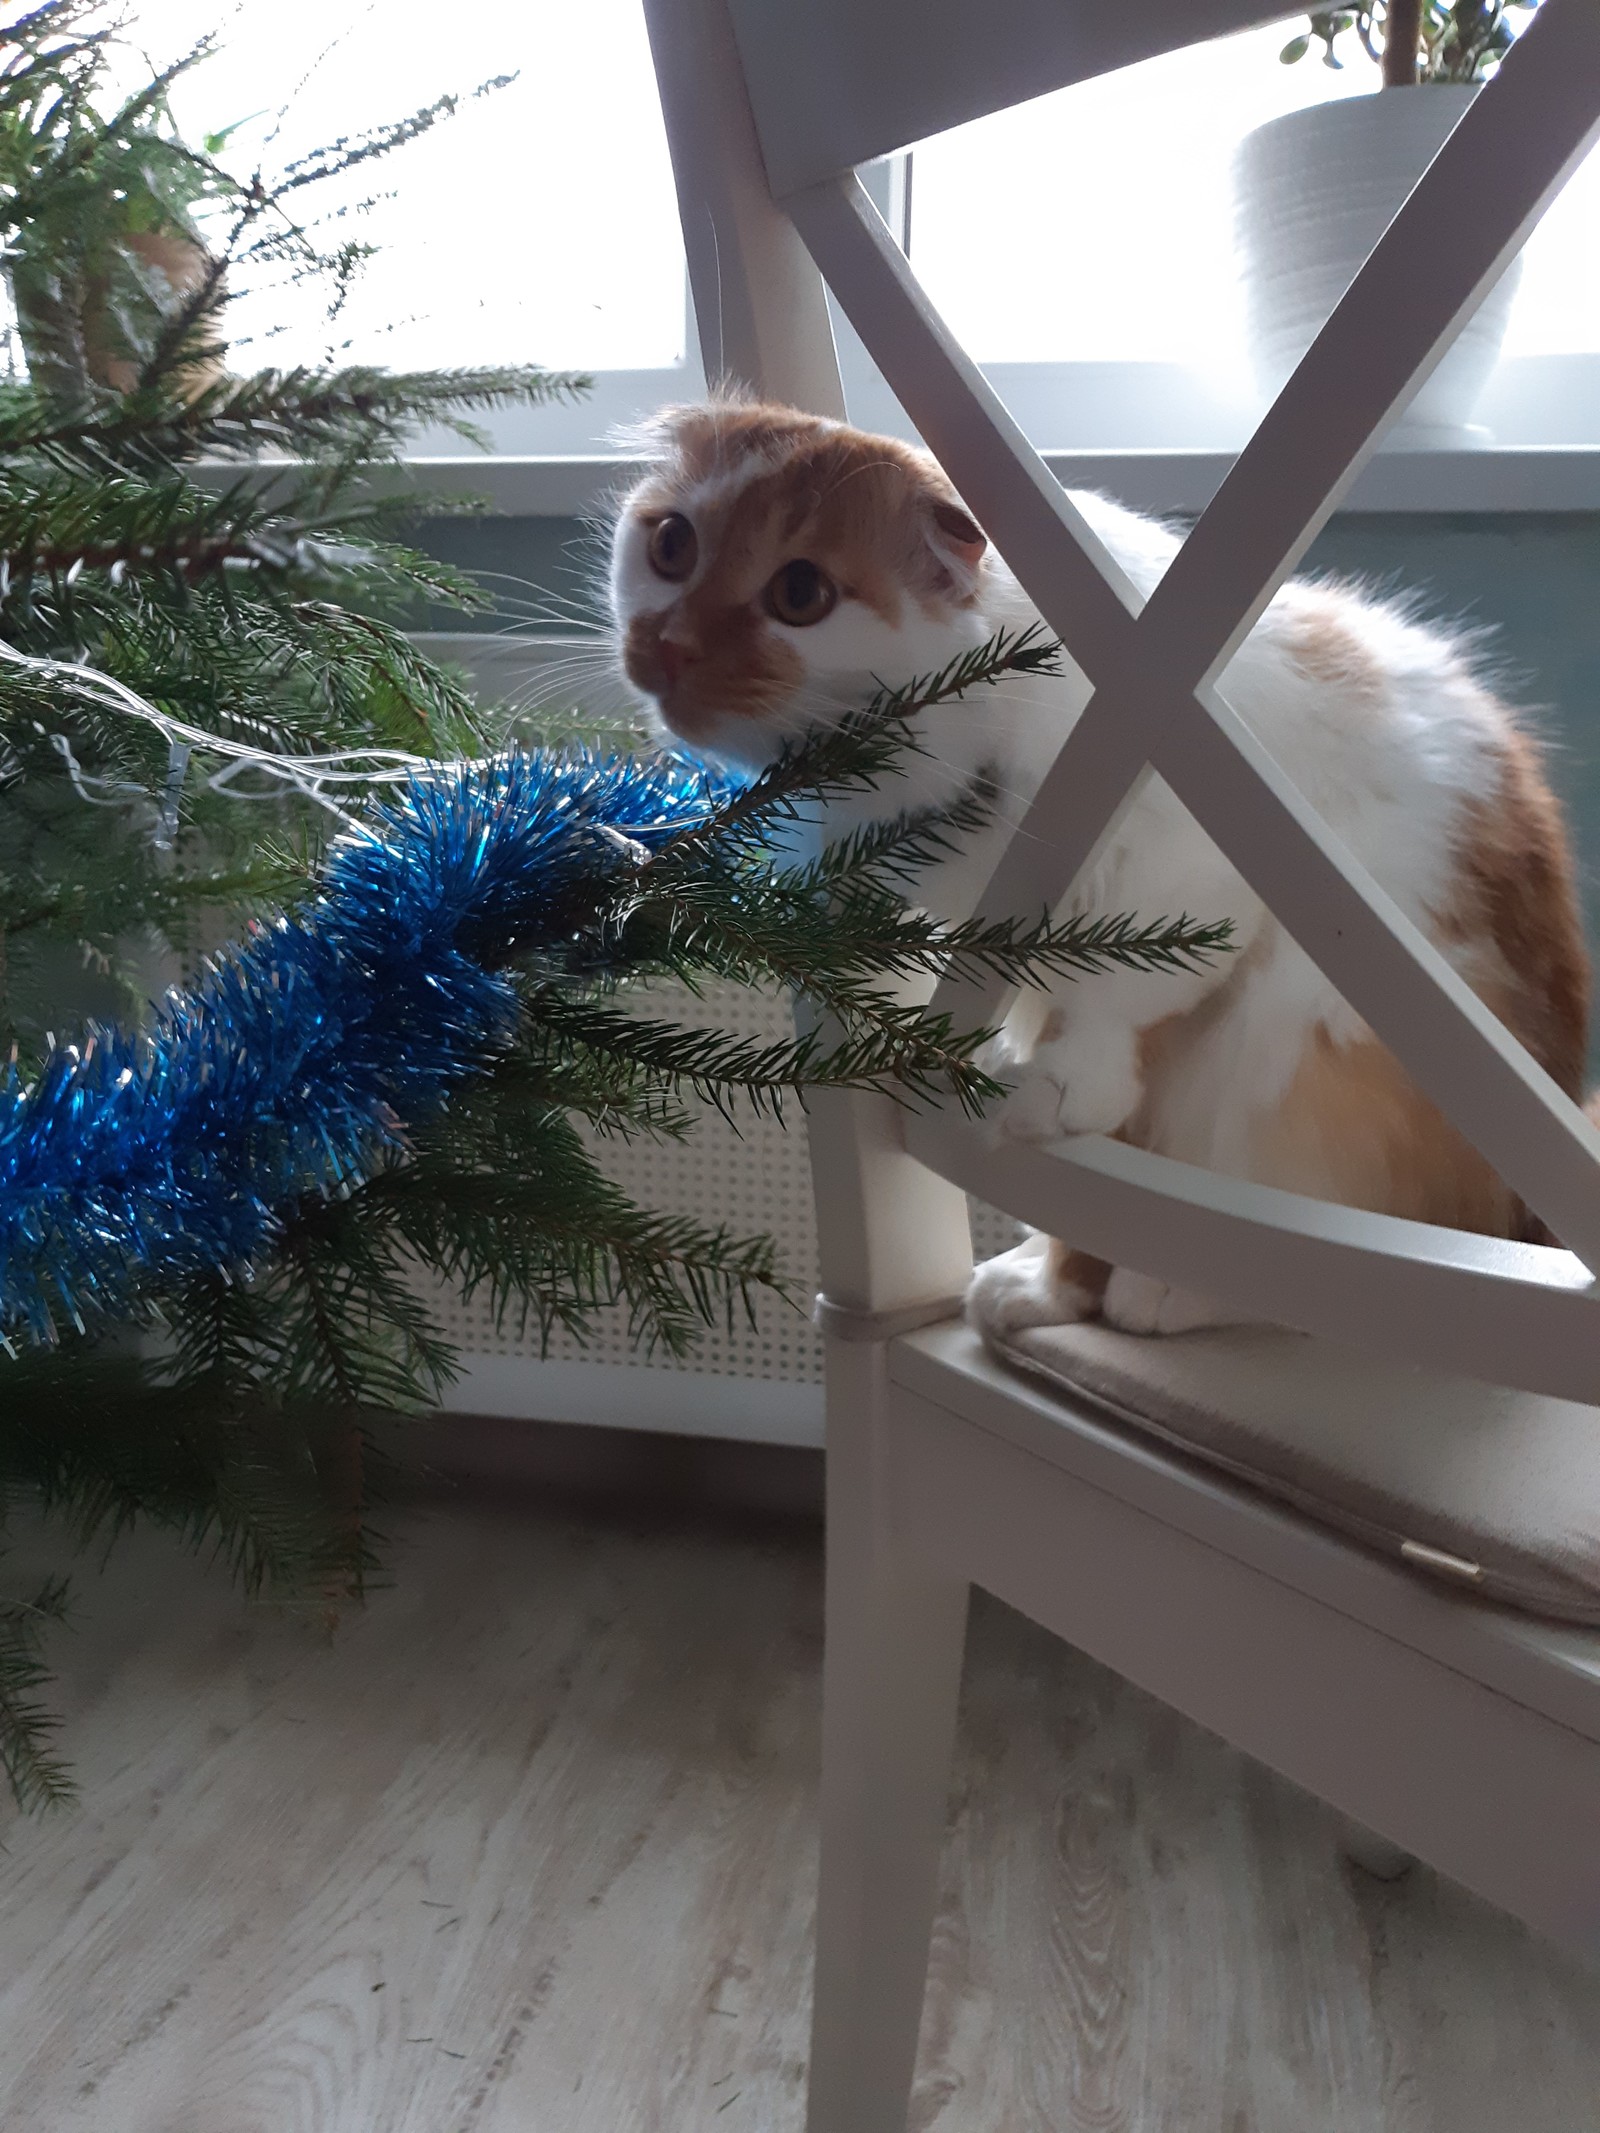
{"points": [[673, 547], [800, 594]]}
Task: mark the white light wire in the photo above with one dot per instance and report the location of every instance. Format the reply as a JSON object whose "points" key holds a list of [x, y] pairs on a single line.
{"points": [[308, 774]]}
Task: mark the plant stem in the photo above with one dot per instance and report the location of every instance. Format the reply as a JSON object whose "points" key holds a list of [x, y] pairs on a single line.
{"points": [[1402, 43]]}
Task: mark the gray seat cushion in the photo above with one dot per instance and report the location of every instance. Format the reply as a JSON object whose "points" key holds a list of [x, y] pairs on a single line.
{"points": [[1493, 1490]]}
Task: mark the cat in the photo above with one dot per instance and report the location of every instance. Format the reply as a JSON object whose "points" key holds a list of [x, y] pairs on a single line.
{"points": [[770, 568]]}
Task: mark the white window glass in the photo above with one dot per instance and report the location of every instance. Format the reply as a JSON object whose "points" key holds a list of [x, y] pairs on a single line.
{"points": [[1557, 311], [1094, 223], [537, 225]]}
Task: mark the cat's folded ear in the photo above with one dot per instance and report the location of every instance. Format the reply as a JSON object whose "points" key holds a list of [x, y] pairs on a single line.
{"points": [[957, 541]]}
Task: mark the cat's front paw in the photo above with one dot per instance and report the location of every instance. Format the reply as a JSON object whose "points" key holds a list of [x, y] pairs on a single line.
{"points": [[1027, 1286], [1085, 1083], [1032, 1110], [1138, 1303]]}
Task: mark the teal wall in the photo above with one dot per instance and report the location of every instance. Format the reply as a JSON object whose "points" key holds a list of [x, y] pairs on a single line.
{"points": [[1531, 579], [523, 562]]}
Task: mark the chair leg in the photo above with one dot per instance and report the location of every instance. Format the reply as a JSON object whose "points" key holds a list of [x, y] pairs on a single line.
{"points": [[891, 1682]]}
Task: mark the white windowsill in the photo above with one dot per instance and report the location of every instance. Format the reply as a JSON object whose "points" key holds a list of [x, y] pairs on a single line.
{"points": [[1157, 435], [1488, 479]]}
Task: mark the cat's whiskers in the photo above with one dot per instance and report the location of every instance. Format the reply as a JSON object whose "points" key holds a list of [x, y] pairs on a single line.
{"points": [[589, 688], [580, 613]]}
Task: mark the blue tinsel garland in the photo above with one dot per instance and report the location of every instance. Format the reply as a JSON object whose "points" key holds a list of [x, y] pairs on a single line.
{"points": [[133, 1162]]}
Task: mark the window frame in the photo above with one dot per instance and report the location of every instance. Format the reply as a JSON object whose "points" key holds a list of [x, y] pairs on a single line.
{"points": [[1160, 436]]}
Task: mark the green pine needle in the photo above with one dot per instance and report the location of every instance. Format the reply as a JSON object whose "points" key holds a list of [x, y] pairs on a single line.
{"points": [[35, 1774]]}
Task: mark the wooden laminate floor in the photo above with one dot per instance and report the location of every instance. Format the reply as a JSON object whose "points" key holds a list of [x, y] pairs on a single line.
{"points": [[530, 1849]]}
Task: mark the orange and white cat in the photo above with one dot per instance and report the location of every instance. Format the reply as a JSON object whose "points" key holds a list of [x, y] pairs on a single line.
{"points": [[771, 569]]}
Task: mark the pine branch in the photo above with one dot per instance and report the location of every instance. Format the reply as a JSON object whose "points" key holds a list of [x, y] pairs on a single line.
{"points": [[639, 1053], [674, 1277], [370, 676], [501, 1195], [614, 1096], [712, 1066], [367, 1343], [364, 1342], [59, 527], [888, 852], [360, 412], [35, 1774], [349, 151], [197, 1445], [784, 931], [854, 755], [255, 666], [373, 411]]}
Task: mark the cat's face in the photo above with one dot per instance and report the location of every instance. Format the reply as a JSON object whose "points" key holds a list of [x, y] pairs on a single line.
{"points": [[772, 568]]}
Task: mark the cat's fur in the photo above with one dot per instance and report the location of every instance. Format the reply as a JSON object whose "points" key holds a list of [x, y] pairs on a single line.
{"points": [[1254, 1065]]}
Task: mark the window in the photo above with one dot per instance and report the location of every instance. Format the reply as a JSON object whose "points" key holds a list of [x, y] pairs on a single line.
{"points": [[536, 225], [1094, 224], [1072, 242]]}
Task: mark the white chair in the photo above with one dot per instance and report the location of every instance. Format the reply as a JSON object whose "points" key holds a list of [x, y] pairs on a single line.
{"points": [[1466, 1733]]}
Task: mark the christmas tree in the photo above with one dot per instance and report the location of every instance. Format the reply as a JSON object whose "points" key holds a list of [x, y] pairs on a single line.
{"points": [[210, 713]]}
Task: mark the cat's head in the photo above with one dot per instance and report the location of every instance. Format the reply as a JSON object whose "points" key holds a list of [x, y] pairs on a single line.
{"points": [[771, 568]]}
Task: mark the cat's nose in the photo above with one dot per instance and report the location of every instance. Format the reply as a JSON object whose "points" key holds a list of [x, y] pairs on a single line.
{"points": [[673, 656]]}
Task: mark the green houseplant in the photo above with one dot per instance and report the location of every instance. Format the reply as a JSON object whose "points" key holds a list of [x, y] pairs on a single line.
{"points": [[1415, 42], [1315, 189], [102, 241]]}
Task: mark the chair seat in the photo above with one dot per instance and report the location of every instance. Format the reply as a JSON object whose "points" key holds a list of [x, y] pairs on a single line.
{"points": [[1486, 1488]]}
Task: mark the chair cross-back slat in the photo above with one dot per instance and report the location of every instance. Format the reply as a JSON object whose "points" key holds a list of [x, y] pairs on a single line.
{"points": [[835, 84], [1153, 670]]}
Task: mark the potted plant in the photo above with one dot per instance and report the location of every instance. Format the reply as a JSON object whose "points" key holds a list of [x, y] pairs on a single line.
{"points": [[1315, 189], [101, 255]]}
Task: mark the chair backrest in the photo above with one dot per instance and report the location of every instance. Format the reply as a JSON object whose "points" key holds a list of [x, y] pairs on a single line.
{"points": [[767, 111]]}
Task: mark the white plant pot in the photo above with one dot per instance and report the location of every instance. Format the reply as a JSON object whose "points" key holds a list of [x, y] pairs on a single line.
{"points": [[1313, 192]]}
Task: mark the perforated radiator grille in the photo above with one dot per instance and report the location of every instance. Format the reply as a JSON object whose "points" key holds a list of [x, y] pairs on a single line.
{"points": [[755, 1179]]}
